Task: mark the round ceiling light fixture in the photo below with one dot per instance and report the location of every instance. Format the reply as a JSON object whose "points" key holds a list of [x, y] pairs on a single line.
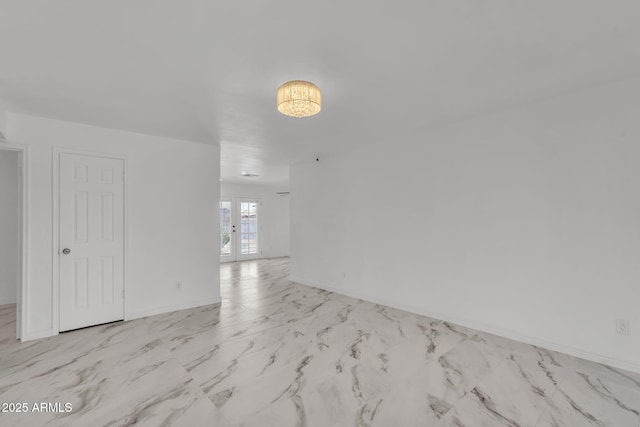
{"points": [[299, 98]]}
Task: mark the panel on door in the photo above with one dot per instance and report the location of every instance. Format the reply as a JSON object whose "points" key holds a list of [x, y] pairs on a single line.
{"points": [[248, 228], [249, 233], [91, 260]]}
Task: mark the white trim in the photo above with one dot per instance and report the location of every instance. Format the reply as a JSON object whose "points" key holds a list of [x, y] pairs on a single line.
{"points": [[317, 285], [56, 226], [8, 301], [23, 291], [506, 333], [36, 335], [171, 308]]}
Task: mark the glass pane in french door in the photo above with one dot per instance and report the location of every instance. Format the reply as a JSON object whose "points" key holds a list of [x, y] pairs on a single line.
{"points": [[248, 228], [225, 228]]}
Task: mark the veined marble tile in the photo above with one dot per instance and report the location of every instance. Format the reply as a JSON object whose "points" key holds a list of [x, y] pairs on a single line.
{"points": [[276, 353], [287, 293], [455, 373], [583, 399], [424, 341], [408, 403], [122, 348], [163, 395], [112, 343], [268, 394], [335, 402], [183, 343], [311, 309], [607, 373], [500, 342], [210, 325], [220, 346], [529, 378], [8, 325], [230, 367], [207, 317]]}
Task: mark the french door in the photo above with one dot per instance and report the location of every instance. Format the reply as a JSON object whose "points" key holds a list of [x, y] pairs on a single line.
{"points": [[240, 229]]}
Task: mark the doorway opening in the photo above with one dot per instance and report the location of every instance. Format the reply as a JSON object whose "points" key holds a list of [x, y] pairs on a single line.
{"points": [[13, 161]]}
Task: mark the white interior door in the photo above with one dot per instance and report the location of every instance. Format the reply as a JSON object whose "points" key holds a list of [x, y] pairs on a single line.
{"points": [[91, 244], [240, 229]]}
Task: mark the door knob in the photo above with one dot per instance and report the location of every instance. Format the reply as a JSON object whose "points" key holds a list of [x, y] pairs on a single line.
{"points": [[66, 251]]}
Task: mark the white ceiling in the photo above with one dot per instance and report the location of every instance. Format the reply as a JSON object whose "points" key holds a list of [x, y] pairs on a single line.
{"points": [[207, 71]]}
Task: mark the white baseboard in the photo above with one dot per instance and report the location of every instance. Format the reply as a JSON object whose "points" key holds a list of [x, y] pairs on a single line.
{"points": [[275, 256], [506, 333], [6, 301], [169, 308], [317, 285], [35, 335]]}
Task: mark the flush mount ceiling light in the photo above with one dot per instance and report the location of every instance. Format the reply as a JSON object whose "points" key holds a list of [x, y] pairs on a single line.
{"points": [[249, 174], [299, 98]]}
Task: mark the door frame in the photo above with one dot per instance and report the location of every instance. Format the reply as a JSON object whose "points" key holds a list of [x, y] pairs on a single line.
{"points": [[22, 292], [57, 151], [235, 216], [232, 256]]}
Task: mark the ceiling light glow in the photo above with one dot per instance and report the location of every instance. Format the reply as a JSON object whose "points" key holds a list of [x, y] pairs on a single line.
{"points": [[299, 98]]}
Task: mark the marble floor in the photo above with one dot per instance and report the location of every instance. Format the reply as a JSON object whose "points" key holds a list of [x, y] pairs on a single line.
{"points": [[276, 353]]}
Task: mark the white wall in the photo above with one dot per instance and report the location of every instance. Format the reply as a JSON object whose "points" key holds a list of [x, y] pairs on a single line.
{"points": [[9, 243], [2, 124], [524, 223], [275, 215], [172, 209]]}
